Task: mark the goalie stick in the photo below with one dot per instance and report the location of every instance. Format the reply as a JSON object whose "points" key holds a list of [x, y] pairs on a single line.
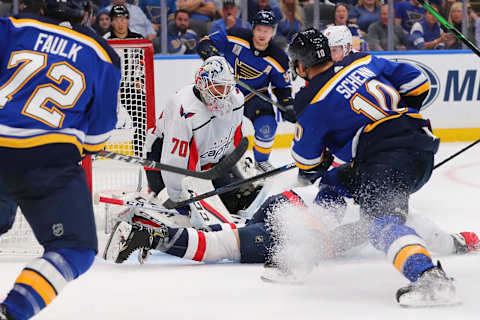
{"points": [[219, 169], [169, 204]]}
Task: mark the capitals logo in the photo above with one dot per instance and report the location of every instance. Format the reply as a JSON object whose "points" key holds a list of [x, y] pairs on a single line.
{"points": [[431, 76]]}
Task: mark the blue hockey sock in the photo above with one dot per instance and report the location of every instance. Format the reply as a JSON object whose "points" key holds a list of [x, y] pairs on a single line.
{"points": [[403, 246], [43, 278], [265, 127]]}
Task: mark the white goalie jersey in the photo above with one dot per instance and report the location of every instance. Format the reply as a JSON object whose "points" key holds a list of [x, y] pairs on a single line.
{"points": [[194, 138]]}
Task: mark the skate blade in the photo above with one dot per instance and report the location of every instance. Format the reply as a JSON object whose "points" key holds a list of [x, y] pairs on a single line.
{"points": [[114, 243], [273, 275], [422, 303]]}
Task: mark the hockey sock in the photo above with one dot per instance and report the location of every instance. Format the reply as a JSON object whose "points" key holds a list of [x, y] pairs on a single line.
{"points": [[265, 127], [403, 246], [43, 278], [189, 243]]}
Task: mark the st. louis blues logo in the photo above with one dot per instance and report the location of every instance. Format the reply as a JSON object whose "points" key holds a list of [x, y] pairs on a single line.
{"points": [[431, 76], [186, 115]]}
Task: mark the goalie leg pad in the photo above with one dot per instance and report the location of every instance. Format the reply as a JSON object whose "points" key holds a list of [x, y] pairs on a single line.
{"points": [[212, 246], [43, 279]]}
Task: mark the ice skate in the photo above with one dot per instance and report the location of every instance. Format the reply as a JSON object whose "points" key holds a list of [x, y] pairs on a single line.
{"points": [[276, 273], [465, 242], [432, 289], [263, 166], [126, 238]]}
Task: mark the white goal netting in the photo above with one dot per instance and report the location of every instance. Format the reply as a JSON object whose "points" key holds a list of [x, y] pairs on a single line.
{"points": [[136, 114]]}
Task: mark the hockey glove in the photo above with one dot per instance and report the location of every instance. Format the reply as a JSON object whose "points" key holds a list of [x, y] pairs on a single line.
{"points": [[306, 177], [207, 50], [288, 112]]}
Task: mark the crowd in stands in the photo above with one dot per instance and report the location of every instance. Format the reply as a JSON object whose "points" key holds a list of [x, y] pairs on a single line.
{"points": [[190, 20]]}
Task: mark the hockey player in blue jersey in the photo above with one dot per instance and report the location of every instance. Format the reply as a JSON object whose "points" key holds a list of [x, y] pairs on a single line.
{"points": [[58, 101], [360, 110], [257, 62]]}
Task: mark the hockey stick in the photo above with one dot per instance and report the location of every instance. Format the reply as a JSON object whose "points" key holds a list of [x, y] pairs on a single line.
{"points": [[218, 170], [133, 204], [169, 204], [451, 28], [456, 154], [259, 94]]}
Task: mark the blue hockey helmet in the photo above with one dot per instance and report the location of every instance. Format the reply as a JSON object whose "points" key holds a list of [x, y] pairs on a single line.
{"points": [[67, 10], [266, 18], [310, 47]]}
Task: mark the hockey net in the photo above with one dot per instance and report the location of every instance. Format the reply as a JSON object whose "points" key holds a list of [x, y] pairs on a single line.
{"points": [[136, 114]]}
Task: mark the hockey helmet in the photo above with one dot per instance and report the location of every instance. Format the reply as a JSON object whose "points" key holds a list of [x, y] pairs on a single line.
{"points": [[339, 36], [310, 47], [266, 18], [215, 82], [67, 10]]}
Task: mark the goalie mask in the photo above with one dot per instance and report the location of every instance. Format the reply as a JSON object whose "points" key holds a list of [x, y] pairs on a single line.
{"points": [[215, 82], [339, 36]]}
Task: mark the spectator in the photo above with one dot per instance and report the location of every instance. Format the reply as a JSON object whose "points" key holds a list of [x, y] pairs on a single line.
{"points": [[257, 5], [201, 13], [445, 7], [365, 13], [455, 18], [427, 34], [181, 39], [477, 31], [139, 22], [102, 23], [340, 18], [32, 6], [377, 34], [120, 18], [230, 17], [407, 13], [152, 9], [292, 20]]}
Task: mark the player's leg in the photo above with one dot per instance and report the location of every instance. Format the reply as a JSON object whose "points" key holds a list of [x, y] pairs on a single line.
{"points": [[387, 178], [247, 244], [8, 210], [262, 116], [218, 243], [57, 204]]}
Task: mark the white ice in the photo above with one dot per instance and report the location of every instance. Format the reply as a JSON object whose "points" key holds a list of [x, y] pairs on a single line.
{"points": [[361, 287]]}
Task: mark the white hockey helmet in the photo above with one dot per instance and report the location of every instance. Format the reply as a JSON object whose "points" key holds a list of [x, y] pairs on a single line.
{"points": [[216, 83], [339, 36]]}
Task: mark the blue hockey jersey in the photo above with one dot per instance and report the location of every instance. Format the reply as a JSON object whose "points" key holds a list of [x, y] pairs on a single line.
{"points": [[255, 68], [351, 97], [58, 84]]}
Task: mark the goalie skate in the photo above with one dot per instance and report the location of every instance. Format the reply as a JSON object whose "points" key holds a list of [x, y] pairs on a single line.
{"points": [[273, 273], [116, 241], [432, 289]]}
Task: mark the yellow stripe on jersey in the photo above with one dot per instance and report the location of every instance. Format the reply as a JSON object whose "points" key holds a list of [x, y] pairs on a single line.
{"points": [[94, 147], [263, 150], [62, 30], [336, 78], [37, 141], [275, 64], [239, 41], [305, 167], [421, 89], [371, 126], [38, 283], [407, 252]]}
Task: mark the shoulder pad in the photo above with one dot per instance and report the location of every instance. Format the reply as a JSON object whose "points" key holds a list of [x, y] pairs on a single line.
{"points": [[241, 33], [277, 54]]}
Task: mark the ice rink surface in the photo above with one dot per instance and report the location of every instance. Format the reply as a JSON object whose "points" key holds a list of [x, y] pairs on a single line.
{"points": [[356, 287]]}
